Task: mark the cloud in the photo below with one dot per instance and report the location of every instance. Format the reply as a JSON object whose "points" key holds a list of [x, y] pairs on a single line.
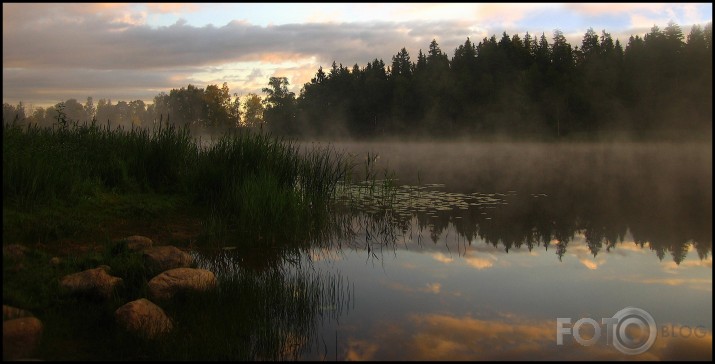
{"points": [[479, 263], [590, 264], [92, 43], [640, 21], [472, 261], [693, 282], [44, 49], [360, 350], [297, 76], [628, 247], [440, 257], [434, 288], [49, 86], [594, 9], [497, 15], [700, 284], [122, 40], [671, 266], [83, 39], [281, 57], [579, 249], [171, 8], [507, 15], [506, 337], [645, 15]]}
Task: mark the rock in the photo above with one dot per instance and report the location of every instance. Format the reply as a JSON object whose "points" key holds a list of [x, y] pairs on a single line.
{"points": [[14, 251], [20, 337], [9, 313], [137, 242], [15, 254], [167, 284], [93, 282], [160, 258], [143, 318]]}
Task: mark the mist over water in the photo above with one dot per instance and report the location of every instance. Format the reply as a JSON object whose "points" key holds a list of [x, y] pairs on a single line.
{"points": [[666, 187], [548, 231], [489, 242], [468, 164]]}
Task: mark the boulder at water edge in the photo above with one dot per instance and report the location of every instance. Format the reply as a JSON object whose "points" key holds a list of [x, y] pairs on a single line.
{"points": [[160, 258], [21, 333], [137, 242], [92, 282], [179, 280], [15, 253], [143, 318]]}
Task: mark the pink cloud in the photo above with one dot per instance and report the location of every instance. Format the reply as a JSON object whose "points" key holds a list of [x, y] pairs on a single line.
{"points": [[172, 8], [615, 8], [508, 337]]}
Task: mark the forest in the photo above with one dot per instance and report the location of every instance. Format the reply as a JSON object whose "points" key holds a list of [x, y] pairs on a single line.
{"points": [[659, 84]]}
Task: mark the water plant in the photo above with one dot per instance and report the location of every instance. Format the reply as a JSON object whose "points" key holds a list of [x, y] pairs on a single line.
{"points": [[253, 184], [249, 190]]}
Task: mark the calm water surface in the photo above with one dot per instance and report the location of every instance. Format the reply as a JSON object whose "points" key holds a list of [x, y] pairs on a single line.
{"points": [[490, 243]]}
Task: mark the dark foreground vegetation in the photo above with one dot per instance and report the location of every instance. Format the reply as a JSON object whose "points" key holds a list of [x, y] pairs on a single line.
{"points": [[270, 314], [655, 86], [75, 179], [71, 191]]}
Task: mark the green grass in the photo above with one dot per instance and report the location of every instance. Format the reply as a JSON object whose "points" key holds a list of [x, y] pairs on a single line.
{"points": [[91, 184], [34, 286], [266, 188], [256, 187]]}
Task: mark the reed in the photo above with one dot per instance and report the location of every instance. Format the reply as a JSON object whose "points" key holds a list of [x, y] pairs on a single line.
{"points": [[250, 190], [253, 184]]}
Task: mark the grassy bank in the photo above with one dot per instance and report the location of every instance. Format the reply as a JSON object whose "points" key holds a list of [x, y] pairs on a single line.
{"points": [[75, 180], [70, 191]]}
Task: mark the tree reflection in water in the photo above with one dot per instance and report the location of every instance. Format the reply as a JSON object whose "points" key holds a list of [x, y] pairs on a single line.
{"points": [[531, 195]]}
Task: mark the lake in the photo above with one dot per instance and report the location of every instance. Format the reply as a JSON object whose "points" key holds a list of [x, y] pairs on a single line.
{"points": [[516, 251]]}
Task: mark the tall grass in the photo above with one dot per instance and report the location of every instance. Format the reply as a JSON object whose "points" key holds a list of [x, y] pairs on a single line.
{"points": [[44, 164], [265, 186], [250, 189], [253, 184]]}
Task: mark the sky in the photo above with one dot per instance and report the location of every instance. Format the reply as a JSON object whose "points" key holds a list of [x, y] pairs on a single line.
{"points": [[133, 51]]}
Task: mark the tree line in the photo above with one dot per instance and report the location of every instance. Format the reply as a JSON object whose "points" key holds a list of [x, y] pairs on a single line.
{"points": [[212, 107], [659, 83]]}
